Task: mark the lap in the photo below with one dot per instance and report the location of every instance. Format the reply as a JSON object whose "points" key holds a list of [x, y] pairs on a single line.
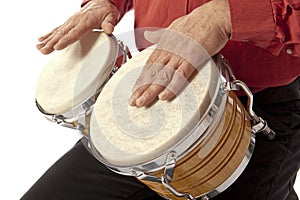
{"points": [[79, 176]]}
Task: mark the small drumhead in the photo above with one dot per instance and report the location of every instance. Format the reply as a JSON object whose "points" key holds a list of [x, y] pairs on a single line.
{"points": [[124, 135], [75, 73]]}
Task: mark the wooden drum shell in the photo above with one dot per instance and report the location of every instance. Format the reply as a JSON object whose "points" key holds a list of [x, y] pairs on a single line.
{"points": [[197, 174]]}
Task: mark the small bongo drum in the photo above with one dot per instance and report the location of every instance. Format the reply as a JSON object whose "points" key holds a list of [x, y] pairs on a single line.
{"points": [[68, 85], [196, 145]]}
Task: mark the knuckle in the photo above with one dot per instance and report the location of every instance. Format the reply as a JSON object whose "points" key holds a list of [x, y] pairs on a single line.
{"points": [[185, 70], [138, 90], [153, 90], [181, 72]]}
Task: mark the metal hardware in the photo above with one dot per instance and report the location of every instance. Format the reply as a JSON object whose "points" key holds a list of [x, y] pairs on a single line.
{"points": [[258, 124], [167, 176], [170, 166], [168, 170], [226, 64], [124, 51], [262, 126], [165, 183], [247, 91], [148, 177], [204, 198], [77, 122]]}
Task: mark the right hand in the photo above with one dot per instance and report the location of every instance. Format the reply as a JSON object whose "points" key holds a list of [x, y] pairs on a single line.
{"points": [[181, 49], [96, 14]]}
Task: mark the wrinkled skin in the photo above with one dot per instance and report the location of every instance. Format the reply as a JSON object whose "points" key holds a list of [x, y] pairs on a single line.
{"points": [[101, 14], [203, 33]]}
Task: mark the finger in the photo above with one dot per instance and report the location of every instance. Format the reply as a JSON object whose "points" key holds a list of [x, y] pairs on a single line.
{"points": [[40, 45], [165, 75], [42, 38], [45, 38], [70, 37], [109, 23], [137, 93], [162, 79], [49, 43], [45, 41], [50, 33], [146, 78], [107, 27], [152, 71], [178, 82], [149, 95], [46, 47], [183, 46]]}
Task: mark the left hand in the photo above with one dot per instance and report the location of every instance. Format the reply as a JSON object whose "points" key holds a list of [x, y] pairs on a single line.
{"points": [[95, 14], [187, 43]]}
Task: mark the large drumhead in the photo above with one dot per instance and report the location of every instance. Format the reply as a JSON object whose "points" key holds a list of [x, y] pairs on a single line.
{"points": [[124, 136], [75, 73]]}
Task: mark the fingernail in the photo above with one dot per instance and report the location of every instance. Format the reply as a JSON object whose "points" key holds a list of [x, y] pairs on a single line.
{"points": [[139, 102], [39, 46], [132, 101], [162, 96], [57, 46]]}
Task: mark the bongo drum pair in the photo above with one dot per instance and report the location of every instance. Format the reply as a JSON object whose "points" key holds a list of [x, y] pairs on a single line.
{"points": [[196, 145]]}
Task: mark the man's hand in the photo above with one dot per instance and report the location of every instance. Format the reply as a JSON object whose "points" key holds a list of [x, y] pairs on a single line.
{"points": [[181, 48], [101, 14]]}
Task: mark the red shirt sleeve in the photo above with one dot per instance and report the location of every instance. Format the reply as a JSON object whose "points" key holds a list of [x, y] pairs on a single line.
{"points": [[84, 2], [122, 5], [271, 24]]}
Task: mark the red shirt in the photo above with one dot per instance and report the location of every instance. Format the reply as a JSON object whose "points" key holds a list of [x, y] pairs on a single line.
{"points": [[264, 48]]}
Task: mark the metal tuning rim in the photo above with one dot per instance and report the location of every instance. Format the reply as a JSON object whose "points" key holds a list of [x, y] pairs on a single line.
{"points": [[258, 124]]}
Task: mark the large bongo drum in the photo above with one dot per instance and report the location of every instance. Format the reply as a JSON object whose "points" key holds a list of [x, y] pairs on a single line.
{"points": [[196, 145], [68, 85]]}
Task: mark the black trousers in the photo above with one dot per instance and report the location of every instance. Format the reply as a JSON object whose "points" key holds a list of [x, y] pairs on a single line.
{"points": [[270, 174]]}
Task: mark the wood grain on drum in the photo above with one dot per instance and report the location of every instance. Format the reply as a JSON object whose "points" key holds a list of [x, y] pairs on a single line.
{"points": [[199, 175]]}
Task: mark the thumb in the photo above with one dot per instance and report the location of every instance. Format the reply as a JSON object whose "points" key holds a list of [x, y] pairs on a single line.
{"points": [[109, 23], [154, 36]]}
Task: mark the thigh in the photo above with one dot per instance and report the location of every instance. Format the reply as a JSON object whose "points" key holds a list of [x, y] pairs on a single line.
{"points": [[79, 176], [271, 172]]}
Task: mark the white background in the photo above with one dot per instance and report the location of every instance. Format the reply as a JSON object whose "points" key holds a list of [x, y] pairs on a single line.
{"points": [[30, 144]]}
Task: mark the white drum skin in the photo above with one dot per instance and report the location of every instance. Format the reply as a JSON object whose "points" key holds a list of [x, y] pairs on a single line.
{"points": [[75, 73], [128, 135]]}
